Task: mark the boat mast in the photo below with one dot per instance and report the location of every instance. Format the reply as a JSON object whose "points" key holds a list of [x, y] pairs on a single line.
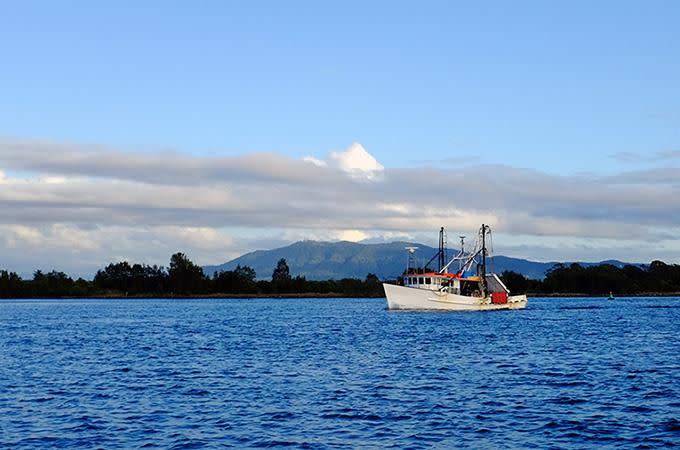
{"points": [[442, 250], [483, 276]]}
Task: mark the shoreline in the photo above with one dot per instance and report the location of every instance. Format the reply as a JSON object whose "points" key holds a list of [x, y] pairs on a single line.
{"points": [[581, 295], [318, 295], [195, 296]]}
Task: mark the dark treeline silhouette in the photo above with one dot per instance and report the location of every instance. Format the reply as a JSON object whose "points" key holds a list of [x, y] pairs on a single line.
{"points": [[181, 278], [658, 277], [184, 278]]}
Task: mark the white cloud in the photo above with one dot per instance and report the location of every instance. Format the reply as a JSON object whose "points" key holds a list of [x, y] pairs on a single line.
{"points": [[316, 162], [354, 161], [399, 208], [82, 207], [81, 251], [55, 235], [17, 235], [357, 162], [203, 238], [351, 235]]}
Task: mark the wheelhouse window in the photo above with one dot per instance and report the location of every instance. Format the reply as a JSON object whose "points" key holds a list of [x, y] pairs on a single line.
{"points": [[420, 280], [428, 280]]}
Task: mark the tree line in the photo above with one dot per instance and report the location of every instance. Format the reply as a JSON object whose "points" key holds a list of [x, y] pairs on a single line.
{"points": [[658, 277], [184, 278], [181, 278]]}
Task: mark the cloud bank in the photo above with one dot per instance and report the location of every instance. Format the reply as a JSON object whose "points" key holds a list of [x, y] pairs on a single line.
{"points": [[77, 207]]}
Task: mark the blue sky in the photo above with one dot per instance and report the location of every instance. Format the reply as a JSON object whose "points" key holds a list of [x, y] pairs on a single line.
{"points": [[568, 112], [558, 86]]}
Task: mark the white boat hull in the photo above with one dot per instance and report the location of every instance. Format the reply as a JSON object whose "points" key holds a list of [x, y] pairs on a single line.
{"points": [[401, 297]]}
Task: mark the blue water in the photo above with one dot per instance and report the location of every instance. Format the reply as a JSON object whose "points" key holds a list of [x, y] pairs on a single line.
{"points": [[333, 373]]}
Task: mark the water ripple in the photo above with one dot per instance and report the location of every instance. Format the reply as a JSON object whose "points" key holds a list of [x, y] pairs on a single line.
{"points": [[337, 373]]}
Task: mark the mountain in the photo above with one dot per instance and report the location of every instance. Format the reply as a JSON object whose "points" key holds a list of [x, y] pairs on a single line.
{"points": [[336, 260], [327, 260]]}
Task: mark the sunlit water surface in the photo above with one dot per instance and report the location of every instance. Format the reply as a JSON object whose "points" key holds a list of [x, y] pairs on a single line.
{"points": [[327, 373]]}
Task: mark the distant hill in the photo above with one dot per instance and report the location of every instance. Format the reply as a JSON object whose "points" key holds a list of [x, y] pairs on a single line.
{"points": [[336, 260]]}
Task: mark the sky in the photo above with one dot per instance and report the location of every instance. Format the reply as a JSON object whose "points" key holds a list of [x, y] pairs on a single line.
{"points": [[132, 130]]}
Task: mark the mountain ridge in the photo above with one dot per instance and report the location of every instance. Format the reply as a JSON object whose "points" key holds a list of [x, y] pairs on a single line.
{"points": [[323, 260]]}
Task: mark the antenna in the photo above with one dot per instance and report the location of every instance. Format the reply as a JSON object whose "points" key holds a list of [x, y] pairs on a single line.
{"points": [[409, 257]]}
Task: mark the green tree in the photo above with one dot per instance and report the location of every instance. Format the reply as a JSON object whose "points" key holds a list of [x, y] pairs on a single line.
{"points": [[246, 275], [11, 285], [515, 282], [239, 280], [281, 279], [39, 284], [52, 284], [281, 272], [133, 279], [184, 276], [373, 286]]}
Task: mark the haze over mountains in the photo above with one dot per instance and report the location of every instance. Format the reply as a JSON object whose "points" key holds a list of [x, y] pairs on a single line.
{"points": [[336, 260]]}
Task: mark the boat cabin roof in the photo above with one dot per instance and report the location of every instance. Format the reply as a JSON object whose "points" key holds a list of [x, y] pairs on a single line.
{"points": [[447, 276], [432, 274]]}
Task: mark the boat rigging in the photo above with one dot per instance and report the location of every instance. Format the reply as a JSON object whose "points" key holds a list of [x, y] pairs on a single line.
{"points": [[471, 287]]}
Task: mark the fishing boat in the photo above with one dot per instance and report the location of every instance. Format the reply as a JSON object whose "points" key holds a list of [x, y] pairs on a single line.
{"points": [[469, 288]]}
